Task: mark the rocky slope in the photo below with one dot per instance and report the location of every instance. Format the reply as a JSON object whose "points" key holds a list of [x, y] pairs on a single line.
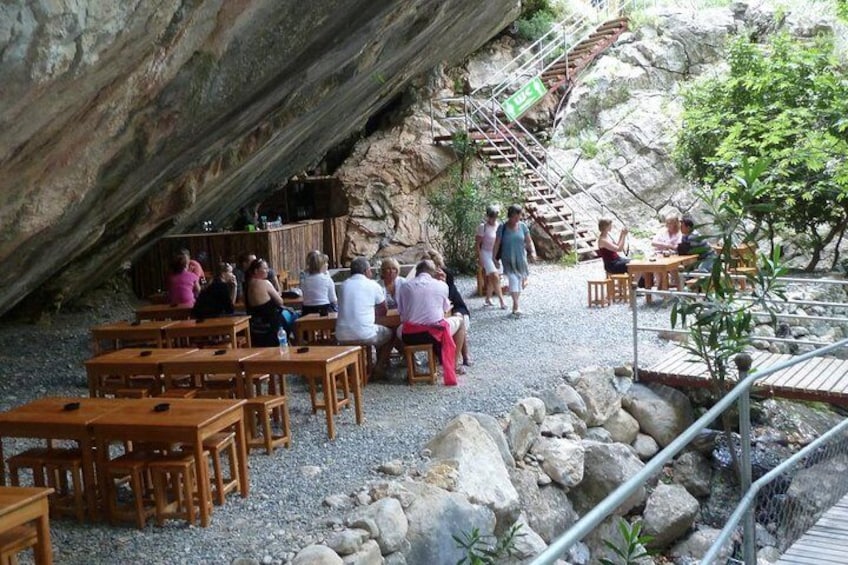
{"points": [[120, 122]]}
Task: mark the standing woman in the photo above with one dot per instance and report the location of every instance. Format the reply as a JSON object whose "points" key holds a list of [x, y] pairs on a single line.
{"points": [[318, 288], [513, 244], [487, 232], [610, 250]]}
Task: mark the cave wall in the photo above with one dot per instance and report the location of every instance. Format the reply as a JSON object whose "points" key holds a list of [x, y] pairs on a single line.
{"points": [[123, 122]]}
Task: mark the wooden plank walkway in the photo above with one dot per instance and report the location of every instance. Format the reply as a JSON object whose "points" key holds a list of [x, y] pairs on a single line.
{"points": [[822, 379], [826, 542]]}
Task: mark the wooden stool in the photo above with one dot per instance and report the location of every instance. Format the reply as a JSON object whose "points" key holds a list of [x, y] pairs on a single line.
{"points": [[130, 467], [16, 540], [178, 392], [132, 393], [67, 498], [175, 475], [260, 408], [34, 459], [619, 288], [598, 293], [412, 376], [215, 445]]}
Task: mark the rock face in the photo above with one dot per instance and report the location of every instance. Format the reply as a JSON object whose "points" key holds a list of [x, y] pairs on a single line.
{"points": [[122, 122]]}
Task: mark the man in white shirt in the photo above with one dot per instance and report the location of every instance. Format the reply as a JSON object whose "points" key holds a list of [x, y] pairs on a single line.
{"points": [[361, 300]]}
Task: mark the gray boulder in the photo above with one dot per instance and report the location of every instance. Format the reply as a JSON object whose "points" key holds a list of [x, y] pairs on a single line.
{"points": [[622, 427], [534, 407], [434, 516], [670, 511], [565, 424], [606, 466], [481, 473], [521, 431], [696, 545], [547, 509], [596, 386], [528, 544], [385, 521], [495, 431], [693, 471], [608, 531], [347, 541], [599, 434], [368, 554], [562, 460], [645, 446], [564, 399], [317, 555], [662, 412]]}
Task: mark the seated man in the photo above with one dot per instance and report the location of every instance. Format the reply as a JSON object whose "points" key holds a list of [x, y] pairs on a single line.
{"points": [[693, 243], [422, 303], [361, 300]]}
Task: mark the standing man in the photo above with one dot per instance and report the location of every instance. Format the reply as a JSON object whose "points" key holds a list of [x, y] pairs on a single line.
{"points": [[361, 300], [422, 303]]}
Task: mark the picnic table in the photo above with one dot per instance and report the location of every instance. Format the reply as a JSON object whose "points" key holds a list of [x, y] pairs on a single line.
{"points": [[163, 312], [326, 364], [663, 266], [24, 505], [123, 333], [125, 363], [181, 333], [315, 328]]}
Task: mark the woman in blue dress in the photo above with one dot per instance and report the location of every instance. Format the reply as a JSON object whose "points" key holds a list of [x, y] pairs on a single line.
{"points": [[513, 246]]}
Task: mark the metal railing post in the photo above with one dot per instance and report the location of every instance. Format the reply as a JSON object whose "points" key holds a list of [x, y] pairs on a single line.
{"points": [[743, 364], [633, 289]]}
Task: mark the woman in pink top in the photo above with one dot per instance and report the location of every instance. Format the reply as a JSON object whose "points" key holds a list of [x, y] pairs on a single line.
{"points": [[183, 285], [486, 234], [669, 238]]}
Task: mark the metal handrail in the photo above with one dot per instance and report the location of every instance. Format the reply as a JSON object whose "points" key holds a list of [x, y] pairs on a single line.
{"points": [[608, 505], [744, 505]]}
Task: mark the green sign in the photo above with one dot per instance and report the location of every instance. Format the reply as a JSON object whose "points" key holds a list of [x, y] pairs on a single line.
{"points": [[524, 98]]}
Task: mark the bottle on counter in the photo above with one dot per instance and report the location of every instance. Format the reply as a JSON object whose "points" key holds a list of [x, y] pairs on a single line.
{"points": [[283, 339]]}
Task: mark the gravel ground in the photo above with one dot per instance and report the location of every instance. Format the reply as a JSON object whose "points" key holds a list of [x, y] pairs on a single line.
{"points": [[284, 512]]}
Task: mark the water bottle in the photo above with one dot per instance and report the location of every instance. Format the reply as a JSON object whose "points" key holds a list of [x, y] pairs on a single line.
{"points": [[282, 338]]}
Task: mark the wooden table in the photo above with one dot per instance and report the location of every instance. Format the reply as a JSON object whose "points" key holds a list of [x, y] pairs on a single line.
{"points": [[228, 326], [146, 331], [212, 362], [47, 419], [314, 328], [163, 312], [187, 421], [320, 362], [129, 362], [664, 266], [22, 505]]}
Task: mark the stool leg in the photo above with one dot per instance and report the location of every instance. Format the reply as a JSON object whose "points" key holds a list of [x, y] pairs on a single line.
{"points": [[219, 477], [266, 429], [188, 492], [138, 494]]}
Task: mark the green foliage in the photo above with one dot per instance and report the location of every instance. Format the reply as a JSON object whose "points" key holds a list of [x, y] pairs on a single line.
{"points": [[531, 7], [631, 547], [842, 10], [536, 25], [569, 259], [457, 207], [784, 102], [478, 548], [720, 326]]}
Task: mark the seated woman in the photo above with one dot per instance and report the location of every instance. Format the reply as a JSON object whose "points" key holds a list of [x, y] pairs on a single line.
{"points": [[182, 285], [669, 238], [458, 306], [319, 290], [265, 306], [218, 297], [609, 250], [391, 281]]}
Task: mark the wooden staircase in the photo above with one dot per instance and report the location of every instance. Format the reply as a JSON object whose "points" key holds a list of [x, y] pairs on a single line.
{"points": [[506, 150]]}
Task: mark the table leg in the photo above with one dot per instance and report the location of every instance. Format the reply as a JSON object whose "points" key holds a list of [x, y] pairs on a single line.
{"points": [[329, 403], [88, 479], [241, 449], [102, 455], [357, 390], [201, 470], [2, 465], [649, 284], [43, 549]]}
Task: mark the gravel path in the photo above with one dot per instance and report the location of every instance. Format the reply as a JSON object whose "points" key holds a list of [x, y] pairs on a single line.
{"points": [[512, 359]]}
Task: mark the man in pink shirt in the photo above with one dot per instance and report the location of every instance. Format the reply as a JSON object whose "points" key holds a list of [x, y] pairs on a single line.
{"points": [[422, 303]]}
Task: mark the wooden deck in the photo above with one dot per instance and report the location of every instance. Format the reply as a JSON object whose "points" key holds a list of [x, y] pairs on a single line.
{"points": [[822, 378], [826, 542]]}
